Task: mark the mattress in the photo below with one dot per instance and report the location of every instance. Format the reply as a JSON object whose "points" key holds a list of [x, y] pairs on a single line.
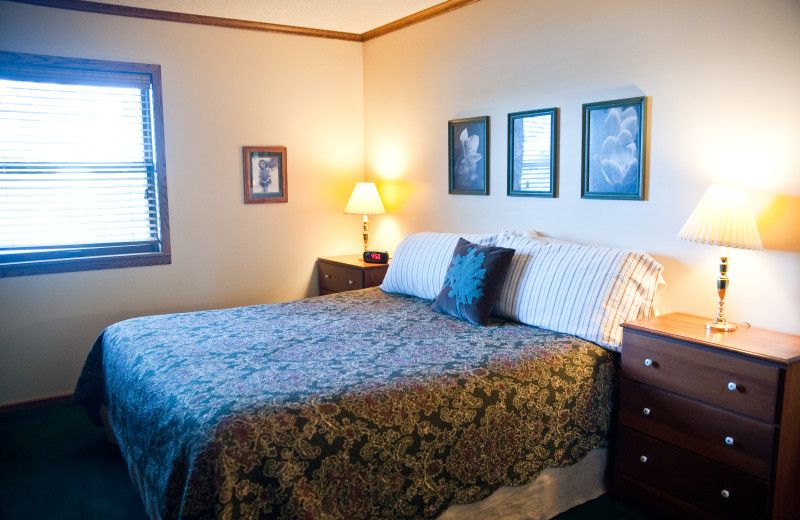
{"points": [[355, 405]]}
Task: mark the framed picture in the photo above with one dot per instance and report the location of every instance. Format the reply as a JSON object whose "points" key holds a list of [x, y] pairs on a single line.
{"points": [[613, 149], [533, 153], [468, 145], [265, 174]]}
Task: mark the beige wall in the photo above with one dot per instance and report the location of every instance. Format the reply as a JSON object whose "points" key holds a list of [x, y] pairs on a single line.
{"points": [[223, 89], [722, 78]]}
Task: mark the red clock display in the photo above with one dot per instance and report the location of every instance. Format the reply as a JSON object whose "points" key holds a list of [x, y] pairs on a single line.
{"points": [[376, 257]]}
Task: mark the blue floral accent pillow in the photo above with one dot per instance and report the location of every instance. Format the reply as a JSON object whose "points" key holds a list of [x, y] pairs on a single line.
{"points": [[473, 281]]}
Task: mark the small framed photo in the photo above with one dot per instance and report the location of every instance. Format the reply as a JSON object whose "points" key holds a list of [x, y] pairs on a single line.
{"points": [[265, 174], [468, 145], [613, 149], [533, 153]]}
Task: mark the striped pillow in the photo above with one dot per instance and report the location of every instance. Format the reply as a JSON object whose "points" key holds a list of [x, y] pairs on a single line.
{"points": [[420, 262], [577, 289]]}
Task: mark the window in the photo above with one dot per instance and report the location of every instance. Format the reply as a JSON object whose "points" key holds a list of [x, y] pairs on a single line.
{"points": [[82, 170]]}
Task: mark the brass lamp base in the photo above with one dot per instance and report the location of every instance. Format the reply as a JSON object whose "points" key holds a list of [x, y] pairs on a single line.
{"points": [[365, 233], [724, 326], [720, 323]]}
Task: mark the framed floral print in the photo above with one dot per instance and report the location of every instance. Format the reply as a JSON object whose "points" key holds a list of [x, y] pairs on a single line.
{"points": [[614, 149], [468, 145]]}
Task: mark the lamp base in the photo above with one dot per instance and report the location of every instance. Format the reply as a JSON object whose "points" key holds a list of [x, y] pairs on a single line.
{"points": [[720, 323], [365, 233], [720, 326]]}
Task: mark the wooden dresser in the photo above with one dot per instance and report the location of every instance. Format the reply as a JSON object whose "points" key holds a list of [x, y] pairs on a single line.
{"points": [[709, 423], [348, 272]]}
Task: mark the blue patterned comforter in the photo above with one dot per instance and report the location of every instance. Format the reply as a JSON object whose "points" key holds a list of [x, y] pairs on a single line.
{"points": [[354, 405]]}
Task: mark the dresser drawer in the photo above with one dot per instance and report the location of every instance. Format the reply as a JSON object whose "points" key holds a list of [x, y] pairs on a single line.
{"points": [[738, 384], [338, 278], [704, 484], [731, 439]]}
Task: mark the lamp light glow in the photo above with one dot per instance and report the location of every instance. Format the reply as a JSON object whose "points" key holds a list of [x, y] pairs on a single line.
{"points": [[722, 218], [365, 200]]}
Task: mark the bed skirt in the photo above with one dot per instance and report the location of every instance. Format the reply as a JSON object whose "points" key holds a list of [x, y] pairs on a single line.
{"points": [[554, 491]]}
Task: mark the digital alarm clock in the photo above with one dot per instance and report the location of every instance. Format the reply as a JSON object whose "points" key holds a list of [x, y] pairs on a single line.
{"points": [[376, 257]]}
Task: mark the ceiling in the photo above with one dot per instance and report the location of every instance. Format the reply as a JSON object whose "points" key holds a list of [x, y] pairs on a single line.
{"points": [[350, 16]]}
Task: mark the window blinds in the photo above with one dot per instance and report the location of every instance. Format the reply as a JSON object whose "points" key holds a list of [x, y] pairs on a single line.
{"points": [[77, 164], [536, 153]]}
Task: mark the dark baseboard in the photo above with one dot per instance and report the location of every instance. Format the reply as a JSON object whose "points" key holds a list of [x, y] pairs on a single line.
{"points": [[56, 399]]}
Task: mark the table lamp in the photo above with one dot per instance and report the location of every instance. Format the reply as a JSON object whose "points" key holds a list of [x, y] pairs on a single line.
{"points": [[722, 218], [365, 201]]}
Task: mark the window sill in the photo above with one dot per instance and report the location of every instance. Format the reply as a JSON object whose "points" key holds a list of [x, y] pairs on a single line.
{"points": [[83, 264]]}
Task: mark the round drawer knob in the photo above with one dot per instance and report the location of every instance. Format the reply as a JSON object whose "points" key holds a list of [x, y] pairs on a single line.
{"points": [[729, 441], [646, 411], [643, 458], [731, 386], [350, 282], [725, 493], [327, 276], [648, 362]]}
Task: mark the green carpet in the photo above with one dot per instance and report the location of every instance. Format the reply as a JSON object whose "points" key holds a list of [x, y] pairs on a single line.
{"points": [[54, 463], [57, 464]]}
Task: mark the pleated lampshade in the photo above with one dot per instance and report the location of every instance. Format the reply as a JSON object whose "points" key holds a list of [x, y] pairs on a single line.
{"points": [[723, 218], [365, 200]]}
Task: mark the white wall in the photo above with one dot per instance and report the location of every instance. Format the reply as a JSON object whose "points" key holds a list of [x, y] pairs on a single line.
{"points": [[722, 78], [223, 89]]}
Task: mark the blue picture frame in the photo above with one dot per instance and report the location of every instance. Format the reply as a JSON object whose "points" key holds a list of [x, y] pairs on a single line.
{"points": [[468, 156], [533, 153], [614, 159]]}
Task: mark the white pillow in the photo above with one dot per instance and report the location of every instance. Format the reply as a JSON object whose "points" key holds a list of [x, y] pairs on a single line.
{"points": [[534, 235], [420, 262], [586, 291], [645, 311]]}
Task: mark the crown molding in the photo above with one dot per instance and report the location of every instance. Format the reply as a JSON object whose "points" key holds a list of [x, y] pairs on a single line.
{"points": [[171, 16], [425, 14]]}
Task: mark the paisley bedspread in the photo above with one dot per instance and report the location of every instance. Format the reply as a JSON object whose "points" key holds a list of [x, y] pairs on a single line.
{"points": [[355, 405]]}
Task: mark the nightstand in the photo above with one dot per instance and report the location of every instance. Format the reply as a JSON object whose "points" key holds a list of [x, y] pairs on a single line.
{"points": [[348, 272], [709, 422]]}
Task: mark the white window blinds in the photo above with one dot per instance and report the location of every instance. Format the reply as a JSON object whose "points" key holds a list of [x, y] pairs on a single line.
{"points": [[536, 153], [78, 163]]}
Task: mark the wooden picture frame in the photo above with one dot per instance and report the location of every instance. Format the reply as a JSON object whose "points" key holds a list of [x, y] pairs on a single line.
{"points": [[265, 179], [614, 157], [533, 153], [468, 156]]}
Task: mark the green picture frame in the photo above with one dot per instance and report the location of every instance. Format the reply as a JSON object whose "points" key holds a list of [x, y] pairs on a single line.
{"points": [[614, 149], [533, 153], [468, 156]]}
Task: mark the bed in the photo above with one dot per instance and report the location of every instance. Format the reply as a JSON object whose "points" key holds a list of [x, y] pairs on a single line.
{"points": [[363, 404]]}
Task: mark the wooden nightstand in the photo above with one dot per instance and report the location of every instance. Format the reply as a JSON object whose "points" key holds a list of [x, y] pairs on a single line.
{"points": [[709, 423], [348, 272]]}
